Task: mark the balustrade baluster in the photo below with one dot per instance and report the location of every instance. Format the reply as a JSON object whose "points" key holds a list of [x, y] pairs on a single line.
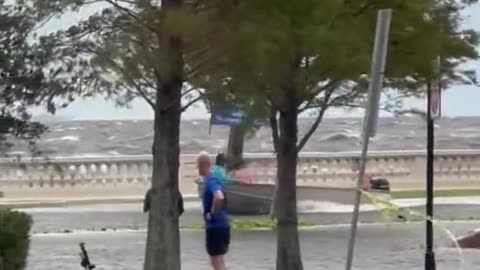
{"points": [[339, 169]]}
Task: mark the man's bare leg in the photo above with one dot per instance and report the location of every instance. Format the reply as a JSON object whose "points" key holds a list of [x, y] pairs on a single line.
{"points": [[218, 263]]}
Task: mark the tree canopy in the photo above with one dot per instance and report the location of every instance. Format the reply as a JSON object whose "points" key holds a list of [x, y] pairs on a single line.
{"points": [[324, 48], [22, 78], [307, 54], [280, 57]]}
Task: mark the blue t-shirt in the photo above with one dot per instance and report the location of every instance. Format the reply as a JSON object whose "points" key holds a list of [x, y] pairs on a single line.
{"points": [[219, 220]]}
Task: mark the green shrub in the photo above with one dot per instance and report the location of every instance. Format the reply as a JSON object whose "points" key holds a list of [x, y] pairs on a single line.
{"points": [[14, 239]]}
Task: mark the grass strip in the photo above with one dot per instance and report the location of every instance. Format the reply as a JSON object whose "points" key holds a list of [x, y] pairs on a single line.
{"points": [[412, 194]]}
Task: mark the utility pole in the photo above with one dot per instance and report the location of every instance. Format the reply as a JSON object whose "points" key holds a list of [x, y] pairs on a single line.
{"points": [[371, 115]]}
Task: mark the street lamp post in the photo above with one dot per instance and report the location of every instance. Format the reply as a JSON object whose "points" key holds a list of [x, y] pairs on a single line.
{"points": [[429, 254], [434, 103]]}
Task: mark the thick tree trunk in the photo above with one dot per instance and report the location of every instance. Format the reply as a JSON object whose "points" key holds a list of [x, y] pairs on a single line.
{"points": [[163, 240], [236, 140], [288, 246]]}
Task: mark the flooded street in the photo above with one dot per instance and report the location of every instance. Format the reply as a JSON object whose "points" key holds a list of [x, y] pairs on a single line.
{"points": [[115, 237], [378, 247]]}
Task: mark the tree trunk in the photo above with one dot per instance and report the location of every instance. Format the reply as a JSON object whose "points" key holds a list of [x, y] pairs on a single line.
{"points": [[288, 246], [272, 214], [274, 126], [163, 240], [236, 140]]}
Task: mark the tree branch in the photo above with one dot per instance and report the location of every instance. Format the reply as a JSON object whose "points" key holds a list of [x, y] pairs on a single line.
{"points": [[189, 91], [318, 120], [190, 103], [362, 9], [131, 14], [138, 87], [274, 127], [204, 67], [317, 90], [144, 95]]}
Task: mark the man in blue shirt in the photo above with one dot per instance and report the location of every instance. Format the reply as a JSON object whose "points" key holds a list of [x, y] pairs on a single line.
{"points": [[217, 225]]}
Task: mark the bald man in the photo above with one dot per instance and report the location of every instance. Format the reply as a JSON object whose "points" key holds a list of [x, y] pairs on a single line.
{"points": [[217, 225]]}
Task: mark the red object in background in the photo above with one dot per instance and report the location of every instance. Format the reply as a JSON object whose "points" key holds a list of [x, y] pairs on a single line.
{"points": [[367, 184], [245, 175]]}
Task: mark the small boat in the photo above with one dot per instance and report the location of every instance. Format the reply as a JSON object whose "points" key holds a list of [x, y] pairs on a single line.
{"points": [[256, 199], [470, 241]]}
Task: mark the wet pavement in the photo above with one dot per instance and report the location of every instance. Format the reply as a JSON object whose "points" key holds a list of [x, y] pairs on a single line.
{"points": [[57, 232]]}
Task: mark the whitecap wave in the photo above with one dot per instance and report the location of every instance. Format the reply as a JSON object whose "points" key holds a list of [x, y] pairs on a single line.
{"points": [[64, 138], [75, 128], [341, 136]]}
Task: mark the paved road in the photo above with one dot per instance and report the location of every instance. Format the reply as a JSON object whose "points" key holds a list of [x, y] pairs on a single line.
{"points": [[382, 247], [396, 247], [129, 216]]}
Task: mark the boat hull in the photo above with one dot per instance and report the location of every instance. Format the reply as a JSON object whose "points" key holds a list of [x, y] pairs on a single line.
{"points": [[256, 199], [470, 241]]}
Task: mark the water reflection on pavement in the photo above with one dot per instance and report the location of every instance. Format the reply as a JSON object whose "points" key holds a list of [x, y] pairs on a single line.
{"points": [[397, 247], [379, 246]]}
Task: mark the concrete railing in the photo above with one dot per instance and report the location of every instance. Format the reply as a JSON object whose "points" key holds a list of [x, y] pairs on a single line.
{"points": [[130, 175]]}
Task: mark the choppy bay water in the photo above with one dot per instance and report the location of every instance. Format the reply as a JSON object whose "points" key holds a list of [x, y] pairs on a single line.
{"points": [[115, 237], [113, 138]]}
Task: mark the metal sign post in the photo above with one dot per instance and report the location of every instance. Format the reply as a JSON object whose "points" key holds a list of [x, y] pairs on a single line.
{"points": [[371, 114]]}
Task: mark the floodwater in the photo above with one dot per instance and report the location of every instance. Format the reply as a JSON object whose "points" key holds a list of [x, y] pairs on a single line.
{"points": [[115, 237]]}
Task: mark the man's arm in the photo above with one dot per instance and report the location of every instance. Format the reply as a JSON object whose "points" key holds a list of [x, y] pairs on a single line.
{"points": [[218, 198]]}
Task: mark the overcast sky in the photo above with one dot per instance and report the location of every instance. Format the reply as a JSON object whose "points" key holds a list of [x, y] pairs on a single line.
{"points": [[457, 101]]}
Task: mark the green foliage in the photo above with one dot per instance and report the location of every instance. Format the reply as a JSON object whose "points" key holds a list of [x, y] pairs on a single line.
{"points": [[22, 81], [322, 49], [246, 52], [119, 51], [14, 239], [253, 224], [19, 71]]}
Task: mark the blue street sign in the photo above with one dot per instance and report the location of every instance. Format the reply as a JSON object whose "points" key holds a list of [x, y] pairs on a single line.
{"points": [[232, 118]]}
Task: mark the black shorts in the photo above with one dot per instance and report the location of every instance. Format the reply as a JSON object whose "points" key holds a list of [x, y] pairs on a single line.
{"points": [[217, 241]]}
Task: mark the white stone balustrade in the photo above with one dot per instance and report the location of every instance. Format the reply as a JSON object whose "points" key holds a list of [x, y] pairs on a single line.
{"points": [[130, 175]]}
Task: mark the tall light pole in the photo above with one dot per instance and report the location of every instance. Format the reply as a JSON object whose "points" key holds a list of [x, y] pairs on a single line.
{"points": [[433, 112]]}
